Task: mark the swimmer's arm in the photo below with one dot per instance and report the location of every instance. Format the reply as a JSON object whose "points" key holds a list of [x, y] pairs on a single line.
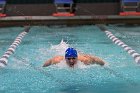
{"points": [[47, 63], [97, 60], [88, 59], [54, 60]]}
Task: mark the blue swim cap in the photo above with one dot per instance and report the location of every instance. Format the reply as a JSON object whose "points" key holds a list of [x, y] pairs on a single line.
{"points": [[70, 52]]}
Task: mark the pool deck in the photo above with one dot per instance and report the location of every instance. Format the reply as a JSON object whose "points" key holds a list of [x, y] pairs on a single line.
{"points": [[75, 20]]}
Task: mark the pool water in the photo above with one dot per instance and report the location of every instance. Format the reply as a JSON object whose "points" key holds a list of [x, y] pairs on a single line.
{"points": [[25, 74]]}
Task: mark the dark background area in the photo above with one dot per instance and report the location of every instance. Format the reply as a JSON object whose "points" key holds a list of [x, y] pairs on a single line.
{"points": [[47, 8], [51, 1]]}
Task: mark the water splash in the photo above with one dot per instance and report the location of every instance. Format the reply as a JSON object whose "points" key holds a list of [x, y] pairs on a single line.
{"points": [[60, 48], [63, 65]]}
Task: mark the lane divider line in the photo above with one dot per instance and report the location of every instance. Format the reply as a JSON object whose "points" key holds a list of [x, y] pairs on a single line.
{"points": [[13, 46], [116, 40]]}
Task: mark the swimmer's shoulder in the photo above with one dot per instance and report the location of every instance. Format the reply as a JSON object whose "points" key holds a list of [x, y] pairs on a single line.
{"points": [[81, 57], [85, 58], [57, 59]]}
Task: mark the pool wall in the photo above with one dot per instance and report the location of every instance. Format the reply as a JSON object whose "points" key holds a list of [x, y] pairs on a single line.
{"points": [[49, 9], [85, 14]]}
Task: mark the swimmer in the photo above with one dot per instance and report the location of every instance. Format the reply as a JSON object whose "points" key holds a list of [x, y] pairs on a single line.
{"points": [[72, 57]]}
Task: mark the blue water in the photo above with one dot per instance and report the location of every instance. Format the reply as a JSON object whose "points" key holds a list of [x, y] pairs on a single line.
{"points": [[24, 73]]}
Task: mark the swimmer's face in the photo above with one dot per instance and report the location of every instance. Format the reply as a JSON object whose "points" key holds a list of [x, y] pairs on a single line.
{"points": [[71, 61]]}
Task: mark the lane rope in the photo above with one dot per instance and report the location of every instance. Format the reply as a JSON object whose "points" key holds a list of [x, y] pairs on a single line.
{"points": [[128, 49], [13, 46]]}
